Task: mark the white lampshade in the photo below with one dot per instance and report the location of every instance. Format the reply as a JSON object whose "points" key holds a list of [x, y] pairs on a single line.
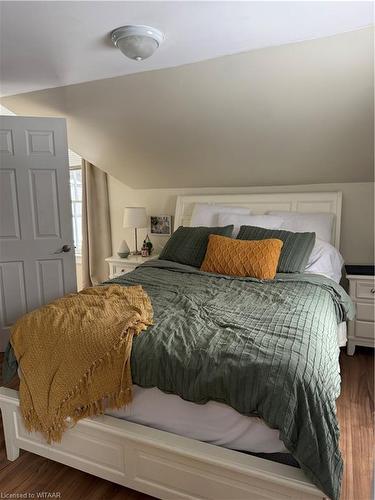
{"points": [[135, 217]]}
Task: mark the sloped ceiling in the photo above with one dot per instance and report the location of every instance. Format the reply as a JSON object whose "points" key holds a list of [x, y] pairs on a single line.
{"points": [[50, 44], [294, 114]]}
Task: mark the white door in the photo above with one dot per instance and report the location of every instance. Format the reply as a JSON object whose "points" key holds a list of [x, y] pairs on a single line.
{"points": [[37, 262]]}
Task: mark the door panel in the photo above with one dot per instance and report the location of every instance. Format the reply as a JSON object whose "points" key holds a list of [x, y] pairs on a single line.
{"points": [[9, 218], [6, 142], [35, 213], [45, 209], [40, 142], [12, 291], [50, 279]]}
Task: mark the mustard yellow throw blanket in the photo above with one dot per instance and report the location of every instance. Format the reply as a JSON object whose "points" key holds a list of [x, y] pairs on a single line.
{"points": [[74, 355]]}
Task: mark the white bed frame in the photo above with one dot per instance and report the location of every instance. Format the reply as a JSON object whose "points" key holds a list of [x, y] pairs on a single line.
{"points": [[160, 463], [329, 202]]}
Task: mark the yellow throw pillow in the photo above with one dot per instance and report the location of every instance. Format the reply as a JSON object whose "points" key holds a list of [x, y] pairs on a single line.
{"points": [[255, 258]]}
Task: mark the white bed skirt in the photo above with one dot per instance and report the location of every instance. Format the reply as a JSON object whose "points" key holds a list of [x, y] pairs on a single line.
{"points": [[342, 334], [214, 423]]}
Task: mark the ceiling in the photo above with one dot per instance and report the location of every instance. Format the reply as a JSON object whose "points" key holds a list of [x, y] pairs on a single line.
{"points": [[293, 114], [52, 44]]}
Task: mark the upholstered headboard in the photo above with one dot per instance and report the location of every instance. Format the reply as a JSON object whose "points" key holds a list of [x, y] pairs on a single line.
{"points": [[261, 203]]}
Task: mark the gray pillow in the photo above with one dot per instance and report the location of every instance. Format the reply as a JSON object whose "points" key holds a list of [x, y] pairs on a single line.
{"points": [[188, 245], [296, 249]]}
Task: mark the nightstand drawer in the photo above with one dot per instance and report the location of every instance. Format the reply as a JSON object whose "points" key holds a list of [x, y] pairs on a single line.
{"points": [[119, 266], [365, 312], [365, 290], [122, 269], [364, 329]]}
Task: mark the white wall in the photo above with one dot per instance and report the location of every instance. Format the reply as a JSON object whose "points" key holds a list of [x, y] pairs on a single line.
{"points": [[357, 231]]}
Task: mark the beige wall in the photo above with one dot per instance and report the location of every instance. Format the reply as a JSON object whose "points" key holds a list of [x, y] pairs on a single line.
{"points": [[295, 114], [357, 230]]}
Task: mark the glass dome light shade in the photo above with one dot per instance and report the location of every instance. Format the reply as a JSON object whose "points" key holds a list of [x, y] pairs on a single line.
{"points": [[137, 42], [137, 47]]}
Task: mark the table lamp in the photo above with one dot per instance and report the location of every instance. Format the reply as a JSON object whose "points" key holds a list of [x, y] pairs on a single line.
{"points": [[136, 218]]}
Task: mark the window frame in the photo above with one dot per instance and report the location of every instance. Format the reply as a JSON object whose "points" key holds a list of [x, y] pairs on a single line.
{"points": [[75, 216]]}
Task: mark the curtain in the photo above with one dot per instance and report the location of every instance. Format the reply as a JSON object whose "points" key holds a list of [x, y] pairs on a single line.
{"points": [[96, 225]]}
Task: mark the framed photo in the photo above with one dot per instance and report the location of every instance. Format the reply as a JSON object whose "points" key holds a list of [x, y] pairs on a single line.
{"points": [[161, 225]]}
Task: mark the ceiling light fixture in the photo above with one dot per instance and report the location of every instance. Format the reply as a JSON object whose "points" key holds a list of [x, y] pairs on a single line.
{"points": [[137, 42]]}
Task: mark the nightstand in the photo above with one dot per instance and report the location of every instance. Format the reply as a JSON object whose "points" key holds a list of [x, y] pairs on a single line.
{"points": [[118, 266], [361, 330]]}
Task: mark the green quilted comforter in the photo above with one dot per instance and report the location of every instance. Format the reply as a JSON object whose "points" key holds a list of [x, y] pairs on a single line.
{"points": [[265, 348]]}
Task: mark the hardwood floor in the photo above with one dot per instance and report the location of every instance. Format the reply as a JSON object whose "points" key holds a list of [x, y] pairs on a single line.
{"points": [[355, 408], [32, 474]]}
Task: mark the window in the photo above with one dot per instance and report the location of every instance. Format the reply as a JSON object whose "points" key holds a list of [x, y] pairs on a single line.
{"points": [[76, 197]]}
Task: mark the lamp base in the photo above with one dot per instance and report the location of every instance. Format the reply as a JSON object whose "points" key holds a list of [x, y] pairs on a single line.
{"points": [[136, 251]]}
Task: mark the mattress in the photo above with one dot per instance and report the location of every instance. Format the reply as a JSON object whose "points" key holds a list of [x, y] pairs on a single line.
{"points": [[214, 423]]}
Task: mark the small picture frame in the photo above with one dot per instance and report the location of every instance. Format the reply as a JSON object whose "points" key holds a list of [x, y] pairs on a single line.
{"points": [[161, 225]]}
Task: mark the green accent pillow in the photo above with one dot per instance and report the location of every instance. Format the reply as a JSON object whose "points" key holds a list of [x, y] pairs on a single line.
{"points": [[296, 249], [188, 245]]}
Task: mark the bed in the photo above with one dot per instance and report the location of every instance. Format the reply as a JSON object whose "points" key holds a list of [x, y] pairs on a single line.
{"points": [[165, 464]]}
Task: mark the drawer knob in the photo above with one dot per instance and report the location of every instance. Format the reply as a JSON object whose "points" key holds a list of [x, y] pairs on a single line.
{"points": [[372, 290]]}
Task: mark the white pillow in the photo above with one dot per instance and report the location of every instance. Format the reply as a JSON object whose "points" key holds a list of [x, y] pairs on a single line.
{"points": [[320, 224], [325, 259], [206, 214], [238, 220]]}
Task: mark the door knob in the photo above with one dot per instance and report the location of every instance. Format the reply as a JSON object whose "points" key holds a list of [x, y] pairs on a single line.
{"points": [[64, 248]]}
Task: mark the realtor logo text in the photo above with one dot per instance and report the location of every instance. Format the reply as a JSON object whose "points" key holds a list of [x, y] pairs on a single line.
{"points": [[27, 495]]}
